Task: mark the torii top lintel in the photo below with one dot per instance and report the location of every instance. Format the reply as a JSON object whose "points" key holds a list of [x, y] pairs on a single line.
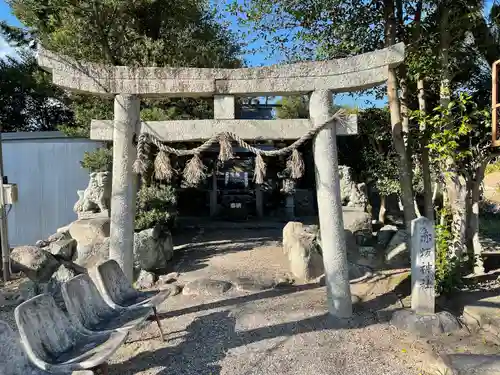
{"points": [[340, 75]]}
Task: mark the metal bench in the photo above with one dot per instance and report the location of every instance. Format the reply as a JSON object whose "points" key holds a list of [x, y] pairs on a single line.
{"points": [[90, 313], [53, 343], [118, 291]]}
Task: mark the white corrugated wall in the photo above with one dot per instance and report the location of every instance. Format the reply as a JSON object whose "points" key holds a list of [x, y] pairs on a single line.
{"points": [[46, 168]]}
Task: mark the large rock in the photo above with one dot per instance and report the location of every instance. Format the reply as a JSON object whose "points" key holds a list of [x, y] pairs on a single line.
{"points": [[397, 253], [64, 249], [153, 248], [357, 221], [93, 254], [37, 264], [145, 280], [358, 230], [351, 193], [300, 243], [293, 229], [89, 232], [66, 272], [385, 234]]}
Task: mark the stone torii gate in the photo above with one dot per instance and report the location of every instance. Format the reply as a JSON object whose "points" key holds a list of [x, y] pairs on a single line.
{"points": [[128, 84]]}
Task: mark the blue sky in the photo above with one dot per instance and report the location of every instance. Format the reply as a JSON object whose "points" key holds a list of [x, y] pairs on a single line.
{"points": [[252, 60]]}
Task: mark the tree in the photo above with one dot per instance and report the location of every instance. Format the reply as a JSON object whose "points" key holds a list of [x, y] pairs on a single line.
{"points": [[135, 33], [293, 107], [28, 100]]}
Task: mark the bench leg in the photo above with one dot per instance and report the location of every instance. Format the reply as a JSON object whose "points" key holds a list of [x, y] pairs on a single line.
{"points": [[159, 324]]}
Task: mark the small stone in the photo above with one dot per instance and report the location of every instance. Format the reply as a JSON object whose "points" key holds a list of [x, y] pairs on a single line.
{"points": [[64, 249], [249, 284], [284, 281], [37, 264], [174, 289], [206, 287], [169, 278], [145, 280], [42, 243], [425, 325], [58, 236]]}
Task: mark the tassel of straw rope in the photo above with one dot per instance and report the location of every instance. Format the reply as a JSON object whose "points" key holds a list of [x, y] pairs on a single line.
{"points": [[226, 149], [260, 169], [295, 164], [140, 164], [163, 167], [194, 172]]}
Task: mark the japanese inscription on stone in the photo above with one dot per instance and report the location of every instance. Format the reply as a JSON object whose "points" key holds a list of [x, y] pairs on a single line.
{"points": [[423, 259]]}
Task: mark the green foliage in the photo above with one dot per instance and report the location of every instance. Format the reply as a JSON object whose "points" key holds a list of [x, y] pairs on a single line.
{"points": [[379, 159], [459, 133], [28, 101], [448, 267], [100, 160], [293, 107], [493, 167], [156, 205], [119, 32]]}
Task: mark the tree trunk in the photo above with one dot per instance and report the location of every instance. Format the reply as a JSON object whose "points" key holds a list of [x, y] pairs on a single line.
{"points": [[426, 168], [457, 193], [455, 183], [417, 210], [383, 209], [396, 121], [474, 217]]}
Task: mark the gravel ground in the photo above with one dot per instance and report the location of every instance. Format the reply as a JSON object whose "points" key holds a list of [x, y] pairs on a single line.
{"points": [[284, 331]]}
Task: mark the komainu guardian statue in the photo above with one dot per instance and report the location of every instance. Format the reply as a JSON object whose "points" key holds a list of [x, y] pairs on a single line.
{"points": [[96, 197]]}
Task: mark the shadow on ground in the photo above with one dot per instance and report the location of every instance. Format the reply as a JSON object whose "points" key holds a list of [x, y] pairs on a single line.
{"points": [[193, 254], [207, 340]]}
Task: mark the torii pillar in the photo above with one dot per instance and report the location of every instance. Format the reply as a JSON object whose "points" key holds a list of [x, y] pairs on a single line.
{"points": [[124, 186], [320, 78]]}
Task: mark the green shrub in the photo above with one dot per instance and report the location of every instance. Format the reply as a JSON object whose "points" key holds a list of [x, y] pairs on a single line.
{"points": [[448, 267], [156, 205], [100, 160], [493, 167]]}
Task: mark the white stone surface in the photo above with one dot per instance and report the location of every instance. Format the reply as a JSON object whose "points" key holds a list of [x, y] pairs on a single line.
{"points": [[331, 222], [352, 73], [196, 130], [124, 187], [423, 265], [224, 107]]}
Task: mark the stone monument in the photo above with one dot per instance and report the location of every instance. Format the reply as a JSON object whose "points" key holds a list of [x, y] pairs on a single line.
{"points": [[127, 85], [423, 266], [421, 319]]}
